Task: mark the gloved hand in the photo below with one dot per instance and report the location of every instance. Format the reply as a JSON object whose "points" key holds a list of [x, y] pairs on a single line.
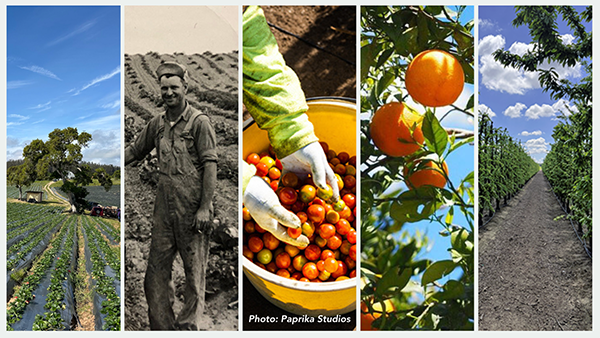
{"points": [[264, 206], [312, 160]]}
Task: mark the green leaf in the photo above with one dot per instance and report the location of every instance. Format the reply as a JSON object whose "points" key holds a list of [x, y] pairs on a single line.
{"points": [[437, 270], [393, 278], [385, 81], [436, 137], [406, 208]]}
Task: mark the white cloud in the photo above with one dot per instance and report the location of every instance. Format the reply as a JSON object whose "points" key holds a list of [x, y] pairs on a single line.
{"points": [[99, 79], [488, 24], [561, 106], [533, 133], [105, 147], [536, 111], [514, 111], [41, 71], [10, 124], [567, 39], [41, 105], [485, 109], [17, 116], [494, 76], [75, 32], [536, 146], [17, 84], [112, 105]]}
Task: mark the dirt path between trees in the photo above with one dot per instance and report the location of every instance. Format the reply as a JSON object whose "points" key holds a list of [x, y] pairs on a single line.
{"points": [[533, 271]]}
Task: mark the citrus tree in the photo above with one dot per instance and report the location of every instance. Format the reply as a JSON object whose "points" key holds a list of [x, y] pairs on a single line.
{"points": [[414, 59]]}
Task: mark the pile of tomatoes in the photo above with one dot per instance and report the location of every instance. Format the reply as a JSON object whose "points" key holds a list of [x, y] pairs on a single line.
{"points": [[330, 227]]}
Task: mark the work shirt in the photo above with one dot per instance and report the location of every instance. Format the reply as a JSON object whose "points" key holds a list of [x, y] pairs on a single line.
{"points": [[201, 141]]}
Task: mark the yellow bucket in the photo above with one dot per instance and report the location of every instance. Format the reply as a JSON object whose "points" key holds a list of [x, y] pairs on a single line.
{"points": [[334, 121]]}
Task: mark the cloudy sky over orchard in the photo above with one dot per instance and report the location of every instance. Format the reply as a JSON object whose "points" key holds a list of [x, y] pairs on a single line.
{"points": [[512, 97]]}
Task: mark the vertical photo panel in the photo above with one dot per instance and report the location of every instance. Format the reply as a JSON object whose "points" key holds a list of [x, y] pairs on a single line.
{"points": [[535, 168], [181, 158], [63, 233], [417, 168], [299, 168]]}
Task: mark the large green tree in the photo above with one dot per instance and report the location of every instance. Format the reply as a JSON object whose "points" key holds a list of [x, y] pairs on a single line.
{"points": [[20, 177], [550, 46], [61, 156]]}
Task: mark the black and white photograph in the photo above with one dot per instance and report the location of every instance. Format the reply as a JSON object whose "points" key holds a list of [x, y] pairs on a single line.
{"points": [[181, 146]]}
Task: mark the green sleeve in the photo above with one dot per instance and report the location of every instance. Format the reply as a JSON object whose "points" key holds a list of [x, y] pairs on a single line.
{"points": [[272, 91], [247, 172]]}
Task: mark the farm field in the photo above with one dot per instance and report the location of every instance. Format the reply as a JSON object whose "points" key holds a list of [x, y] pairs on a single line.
{"points": [[213, 90], [13, 192], [534, 273], [63, 270]]}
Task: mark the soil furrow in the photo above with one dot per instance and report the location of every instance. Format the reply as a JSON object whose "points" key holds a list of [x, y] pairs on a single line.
{"points": [[533, 272]]}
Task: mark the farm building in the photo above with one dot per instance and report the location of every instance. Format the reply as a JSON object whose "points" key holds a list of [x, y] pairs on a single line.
{"points": [[36, 196]]}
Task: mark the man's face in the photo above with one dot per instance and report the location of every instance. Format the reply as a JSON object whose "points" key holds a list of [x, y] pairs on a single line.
{"points": [[172, 90]]}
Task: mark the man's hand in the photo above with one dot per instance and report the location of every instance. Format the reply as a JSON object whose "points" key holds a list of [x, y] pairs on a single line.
{"points": [[264, 206], [203, 221], [312, 160]]}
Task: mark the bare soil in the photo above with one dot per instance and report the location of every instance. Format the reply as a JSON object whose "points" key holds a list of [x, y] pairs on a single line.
{"points": [[533, 271]]}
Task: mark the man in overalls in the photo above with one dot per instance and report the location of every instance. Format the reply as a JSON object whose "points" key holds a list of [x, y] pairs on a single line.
{"points": [[185, 142]]}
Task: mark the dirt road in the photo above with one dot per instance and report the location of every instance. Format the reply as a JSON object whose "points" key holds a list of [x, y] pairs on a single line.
{"points": [[533, 271]]}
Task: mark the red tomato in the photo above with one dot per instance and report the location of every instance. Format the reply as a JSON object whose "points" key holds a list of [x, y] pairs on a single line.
{"points": [[310, 271], [342, 270], [343, 227], [312, 252], [253, 158], [283, 260], [294, 233], [288, 195], [326, 230], [255, 244], [334, 242], [316, 213], [351, 237], [261, 169], [331, 265], [350, 200], [271, 242]]}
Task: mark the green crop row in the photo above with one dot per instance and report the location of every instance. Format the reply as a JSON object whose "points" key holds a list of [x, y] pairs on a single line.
{"points": [[504, 166], [51, 319], [28, 243], [104, 284], [24, 295], [568, 166]]}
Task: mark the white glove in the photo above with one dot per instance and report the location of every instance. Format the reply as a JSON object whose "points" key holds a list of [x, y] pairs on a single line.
{"points": [[312, 160], [264, 206]]}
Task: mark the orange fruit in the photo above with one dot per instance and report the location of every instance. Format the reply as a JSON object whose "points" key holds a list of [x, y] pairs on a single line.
{"points": [[426, 176], [366, 319], [434, 78], [391, 129]]}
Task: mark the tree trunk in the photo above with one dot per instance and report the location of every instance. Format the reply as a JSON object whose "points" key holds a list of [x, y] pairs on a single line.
{"points": [[72, 202]]}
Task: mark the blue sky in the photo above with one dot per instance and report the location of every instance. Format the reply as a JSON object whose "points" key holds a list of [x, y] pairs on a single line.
{"points": [[515, 98], [460, 163], [63, 70]]}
